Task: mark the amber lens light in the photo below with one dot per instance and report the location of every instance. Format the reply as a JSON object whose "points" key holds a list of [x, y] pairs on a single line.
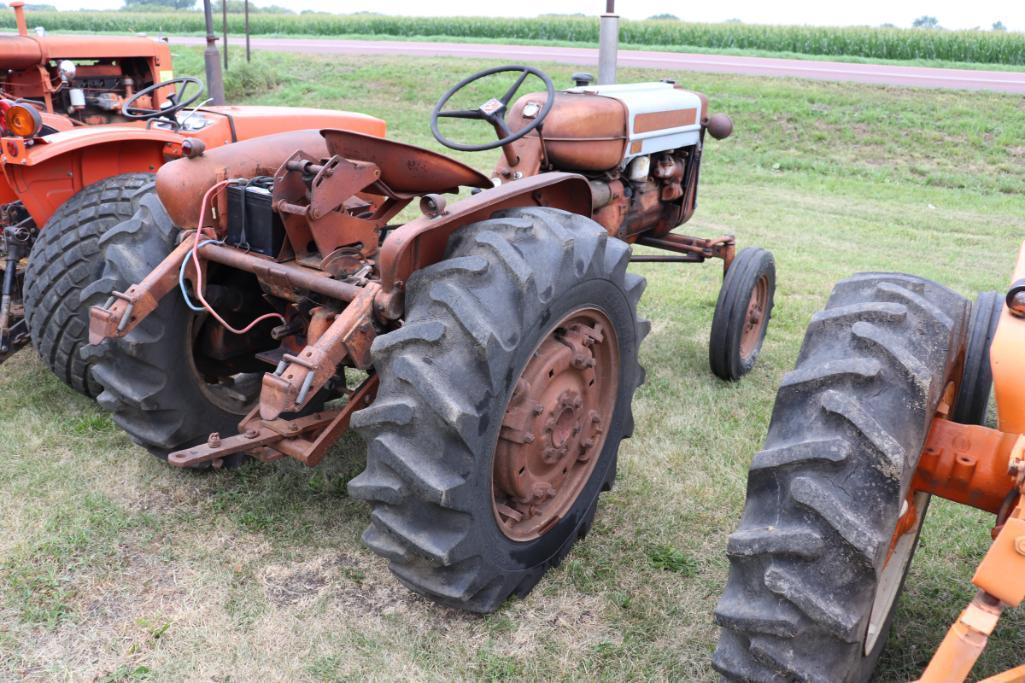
{"points": [[23, 121]]}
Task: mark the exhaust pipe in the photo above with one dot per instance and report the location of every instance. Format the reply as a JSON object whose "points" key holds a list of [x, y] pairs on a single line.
{"points": [[608, 44], [214, 78]]}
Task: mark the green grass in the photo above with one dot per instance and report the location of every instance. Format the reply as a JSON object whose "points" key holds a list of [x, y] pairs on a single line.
{"points": [[986, 47], [115, 567]]}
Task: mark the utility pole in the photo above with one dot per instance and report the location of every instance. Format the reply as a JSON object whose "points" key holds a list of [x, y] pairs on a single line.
{"points": [[608, 44], [214, 78], [224, 30], [247, 32]]}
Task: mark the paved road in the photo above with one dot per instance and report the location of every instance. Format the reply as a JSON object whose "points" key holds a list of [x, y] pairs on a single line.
{"points": [[924, 77]]}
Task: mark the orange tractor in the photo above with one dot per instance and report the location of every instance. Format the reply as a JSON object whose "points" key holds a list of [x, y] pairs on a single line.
{"points": [[487, 349], [885, 409], [86, 122]]}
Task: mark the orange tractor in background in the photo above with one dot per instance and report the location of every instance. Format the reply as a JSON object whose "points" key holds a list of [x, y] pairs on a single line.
{"points": [[486, 349], [886, 408], [86, 122]]}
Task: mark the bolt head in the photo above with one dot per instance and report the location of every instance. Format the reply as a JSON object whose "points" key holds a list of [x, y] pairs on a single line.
{"points": [[1019, 545]]}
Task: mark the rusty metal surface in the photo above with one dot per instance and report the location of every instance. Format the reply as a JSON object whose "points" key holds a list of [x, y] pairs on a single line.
{"points": [[125, 310], [299, 377], [305, 439], [701, 248], [659, 120], [405, 169], [182, 182], [422, 241], [754, 319], [582, 132], [554, 427]]}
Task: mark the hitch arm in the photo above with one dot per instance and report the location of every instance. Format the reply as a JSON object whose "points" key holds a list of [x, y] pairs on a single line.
{"points": [[298, 378], [125, 310]]}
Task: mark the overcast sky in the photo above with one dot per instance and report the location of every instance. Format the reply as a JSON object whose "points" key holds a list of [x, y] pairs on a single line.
{"points": [[951, 13]]}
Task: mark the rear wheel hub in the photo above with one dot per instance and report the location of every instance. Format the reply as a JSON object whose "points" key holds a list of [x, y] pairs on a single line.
{"points": [[555, 425]]}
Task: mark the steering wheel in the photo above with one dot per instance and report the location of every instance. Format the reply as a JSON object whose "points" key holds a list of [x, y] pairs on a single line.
{"points": [[181, 86], [493, 111]]}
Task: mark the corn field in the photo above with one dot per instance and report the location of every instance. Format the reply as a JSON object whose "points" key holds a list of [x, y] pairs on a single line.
{"points": [[878, 43]]}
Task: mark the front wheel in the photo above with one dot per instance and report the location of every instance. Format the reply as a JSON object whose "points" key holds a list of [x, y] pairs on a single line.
{"points": [[503, 401], [830, 524], [742, 314]]}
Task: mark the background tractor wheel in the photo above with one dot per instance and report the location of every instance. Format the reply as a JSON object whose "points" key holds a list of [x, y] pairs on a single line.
{"points": [[155, 381], [66, 262], [503, 401], [742, 314], [828, 530], [977, 381]]}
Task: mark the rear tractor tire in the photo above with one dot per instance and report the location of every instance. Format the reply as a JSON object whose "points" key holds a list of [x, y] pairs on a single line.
{"points": [[502, 404], [151, 378], [742, 314], [829, 528], [63, 279]]}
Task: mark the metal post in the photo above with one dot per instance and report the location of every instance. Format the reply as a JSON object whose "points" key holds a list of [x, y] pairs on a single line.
{"points": [[247, 32], [214, 78], [608, 44], [224, 30]]}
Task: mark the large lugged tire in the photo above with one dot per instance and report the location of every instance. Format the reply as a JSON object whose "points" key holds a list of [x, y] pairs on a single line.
{"points": [[65, 263], [810, 568], [973, 391], [150, 380], [454, 406]]}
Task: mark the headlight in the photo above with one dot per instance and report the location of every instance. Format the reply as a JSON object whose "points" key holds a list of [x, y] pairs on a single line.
{"points": [[23, 120]]}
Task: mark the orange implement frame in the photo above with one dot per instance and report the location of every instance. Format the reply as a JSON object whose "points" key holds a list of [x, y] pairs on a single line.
{"points": [[985, 468]]}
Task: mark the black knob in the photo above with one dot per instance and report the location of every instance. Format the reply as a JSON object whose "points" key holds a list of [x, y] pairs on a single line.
{"points": [[581, 78]]}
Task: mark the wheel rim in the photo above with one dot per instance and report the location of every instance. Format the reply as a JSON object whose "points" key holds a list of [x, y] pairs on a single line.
{"points": [[902, 545], [555, 425], [754, 318], [235, 393]]}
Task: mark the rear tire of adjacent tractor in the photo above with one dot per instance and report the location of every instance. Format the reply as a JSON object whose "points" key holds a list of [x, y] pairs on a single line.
{"points": [[150, 379], [812, 582], [66, 262], [514, 372], [742, 314], [976, 384]]}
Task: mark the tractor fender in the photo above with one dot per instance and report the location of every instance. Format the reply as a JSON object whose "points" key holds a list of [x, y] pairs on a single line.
{"points": [[46, 174], [422, 241], [182, 183]]}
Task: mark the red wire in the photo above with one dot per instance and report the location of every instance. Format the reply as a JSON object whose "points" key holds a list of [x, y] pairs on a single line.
{"points": [[217, 187]]}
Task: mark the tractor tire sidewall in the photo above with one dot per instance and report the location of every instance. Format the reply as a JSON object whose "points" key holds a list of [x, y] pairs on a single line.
{"points": [[63, 279], [972, 402], [149, 379], [730, 314], [512, 554]]}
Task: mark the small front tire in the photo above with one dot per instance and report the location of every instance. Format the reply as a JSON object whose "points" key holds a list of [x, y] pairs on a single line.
{"points": [[742, 314]]}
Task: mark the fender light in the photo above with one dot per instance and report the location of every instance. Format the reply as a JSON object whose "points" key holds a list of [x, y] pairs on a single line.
{"points": [[22, 120]]}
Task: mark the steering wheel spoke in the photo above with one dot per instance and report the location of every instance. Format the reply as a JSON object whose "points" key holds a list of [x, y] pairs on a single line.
{"points": [[507, 97], [494, 110], [461, 114]]}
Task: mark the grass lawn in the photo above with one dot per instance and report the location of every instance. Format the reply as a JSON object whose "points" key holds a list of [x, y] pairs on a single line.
{"points": [[115, 567]]}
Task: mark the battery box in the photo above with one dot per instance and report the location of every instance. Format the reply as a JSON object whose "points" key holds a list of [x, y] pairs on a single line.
{"points": [[253, 224]]}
